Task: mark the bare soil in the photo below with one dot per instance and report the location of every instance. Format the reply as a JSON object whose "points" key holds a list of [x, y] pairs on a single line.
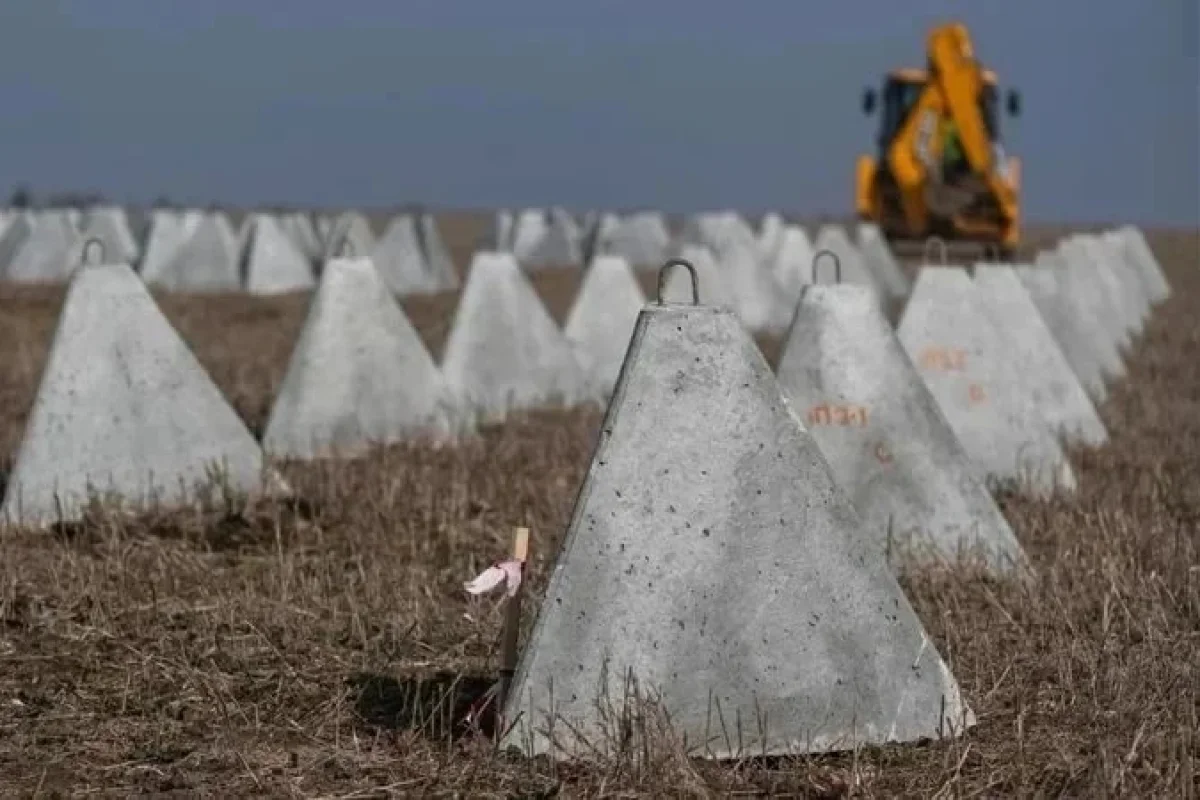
{"points": [[305, 647]]}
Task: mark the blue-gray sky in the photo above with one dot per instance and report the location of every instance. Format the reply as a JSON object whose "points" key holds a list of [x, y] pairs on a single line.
{"points": [[672, 104]]}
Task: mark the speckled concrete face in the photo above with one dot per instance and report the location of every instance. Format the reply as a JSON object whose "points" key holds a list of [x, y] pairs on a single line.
{"points": [[123, 406], [962, 359], [1086, 349], [271, 262], [892, 451], [601, 320], [359, 375], [711, 558], [1045, 375], [505, 351]]}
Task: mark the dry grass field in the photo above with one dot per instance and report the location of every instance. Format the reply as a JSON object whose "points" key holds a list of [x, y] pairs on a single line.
{"points": [[304, 647]]}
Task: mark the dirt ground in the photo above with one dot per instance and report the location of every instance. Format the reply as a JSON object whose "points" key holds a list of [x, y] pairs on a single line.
{"points": [[305, 647]]}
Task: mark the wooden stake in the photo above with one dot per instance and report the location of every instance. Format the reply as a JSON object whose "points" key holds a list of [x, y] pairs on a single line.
{"points": [[512, 620]]}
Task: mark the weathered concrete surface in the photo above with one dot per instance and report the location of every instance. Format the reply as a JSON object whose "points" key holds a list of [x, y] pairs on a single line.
{"points": [[877, 256], [1067, 321], [601, 320], [398, 257], [1126, 276], [1092, 310], [207, 261], [750, 283], [854, 270], [770, 236], [110, 226], [792, 270], [505, 351], [300, 229], [712, 560], [437, 256], [1045, 371], [641, 238], [271, 262], [350, 236], [1085, 280], [962, 358], [123, 407], [894, 454], [1081, 251], [50, 253], [1139, 253], [16, 233], [167, 232], [359, 375], [546, 239]]}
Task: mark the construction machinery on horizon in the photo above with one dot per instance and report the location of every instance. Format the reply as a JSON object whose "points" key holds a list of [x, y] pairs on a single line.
{"points": [[940, 170]]}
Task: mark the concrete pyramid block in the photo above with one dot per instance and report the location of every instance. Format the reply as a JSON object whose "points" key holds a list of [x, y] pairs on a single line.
{"points": [[880, 429], [502, 233], [1097, 306], [398, 257], [853, 268], [110, 226], [1048, 375], [153, 427], [1124, 279], [350, 236], [1061, 315], [359, 375], [601, 320], [640, 238], [16, 233], [964, 360], [712, 565], [791, 269], [751, 284], [1116, 297], [271, 263], [168, 230], [206, 261], [299, 228], [877, 255], [50, 253], [547, 239], [1138, 251], [770, 235], [437, 256], [505, 351]]}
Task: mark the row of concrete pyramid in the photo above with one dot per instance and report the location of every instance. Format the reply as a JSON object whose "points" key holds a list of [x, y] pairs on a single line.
{"points": [[734, 569], [200, 251], [757, 274]]}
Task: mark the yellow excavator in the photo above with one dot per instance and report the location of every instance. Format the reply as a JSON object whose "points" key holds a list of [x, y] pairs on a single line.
{"points": [[941, 170]]}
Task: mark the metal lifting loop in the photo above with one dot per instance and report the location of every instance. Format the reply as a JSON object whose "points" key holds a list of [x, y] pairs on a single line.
{"points": [[665, 270], [941, 243], [93, 245], [837, 265]]}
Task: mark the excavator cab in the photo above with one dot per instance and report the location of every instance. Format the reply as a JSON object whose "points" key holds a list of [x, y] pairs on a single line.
{"points": [[940, 166]]}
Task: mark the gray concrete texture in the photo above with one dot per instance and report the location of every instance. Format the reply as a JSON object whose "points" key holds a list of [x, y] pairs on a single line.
{"points": [[963, 360], [714, 289], [792, 270], [1029, 342], [359, 374], [600, 322], [854, 269], [271, 263], [504, 350], [206, 261], [124, 408], [1117, 297], [50, 252], [1138, 252], [1091, 309], [858, 394], [110, 226], [1057, 309], [546, 238], [437, 256], [401, 263], [640, 238], [712, 562], [883, 265]]}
